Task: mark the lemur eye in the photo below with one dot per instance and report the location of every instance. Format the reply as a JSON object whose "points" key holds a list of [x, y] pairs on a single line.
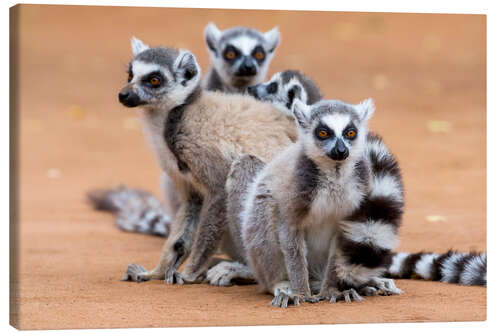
{"points": [[322, 133], [272, 88], [155, 81], [230, 55], [351, 134], [259, 55]]}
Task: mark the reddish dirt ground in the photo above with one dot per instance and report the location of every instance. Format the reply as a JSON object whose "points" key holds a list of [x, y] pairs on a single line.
{"points": [[423, 71]]}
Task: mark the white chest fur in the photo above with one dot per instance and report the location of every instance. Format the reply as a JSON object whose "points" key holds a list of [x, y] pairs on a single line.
{"points": [[336, 199]]}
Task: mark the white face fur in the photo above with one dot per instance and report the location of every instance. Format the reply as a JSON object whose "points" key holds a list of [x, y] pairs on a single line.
{"points": [[280, 93], [333, 130], [241, 56], [160, 76]]}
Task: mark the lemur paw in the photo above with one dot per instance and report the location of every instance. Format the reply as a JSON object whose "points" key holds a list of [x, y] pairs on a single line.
{"points": [[135, 273], [172, 276], [334, 295], [368, 291], [386, 286], [283, 295], [227, 273], [220, 275], [190, 278]]}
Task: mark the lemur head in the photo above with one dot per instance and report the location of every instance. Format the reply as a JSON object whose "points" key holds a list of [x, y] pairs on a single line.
{"points": [[332, 129], [241, 55], [284, 88], [159, 76]]}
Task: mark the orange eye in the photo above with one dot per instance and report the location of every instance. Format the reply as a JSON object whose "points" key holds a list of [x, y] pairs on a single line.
{"points": [[351, 134], [154, 81], [322, 134], [230, 55], [259, 55]]}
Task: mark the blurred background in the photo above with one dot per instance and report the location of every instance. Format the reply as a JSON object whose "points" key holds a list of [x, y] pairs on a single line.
{"points": [[426, 73]]}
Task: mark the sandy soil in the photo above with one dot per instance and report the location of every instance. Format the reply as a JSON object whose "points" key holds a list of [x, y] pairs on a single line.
{"points": [[427, 74]]}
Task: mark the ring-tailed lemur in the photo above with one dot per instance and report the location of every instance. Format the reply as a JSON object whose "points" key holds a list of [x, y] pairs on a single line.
{"points": [[324, 209], [196, 135], [284, 87], [240, 56], [451, 267]]}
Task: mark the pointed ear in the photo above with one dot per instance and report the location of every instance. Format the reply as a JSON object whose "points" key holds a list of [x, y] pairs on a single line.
{"points": [[212, 36], [301, 112], [273, 39], [137, 46], [186, 67], [365, 109]]}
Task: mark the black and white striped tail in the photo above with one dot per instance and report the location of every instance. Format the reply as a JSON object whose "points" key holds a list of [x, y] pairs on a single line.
{"points": [[451, 267], [135, 210]]}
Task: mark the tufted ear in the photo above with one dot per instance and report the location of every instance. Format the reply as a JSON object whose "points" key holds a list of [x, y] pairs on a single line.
{"points": [[212, 36], [272, 39], [365, 109], [301, 112], [186, 67], [137, 46]]}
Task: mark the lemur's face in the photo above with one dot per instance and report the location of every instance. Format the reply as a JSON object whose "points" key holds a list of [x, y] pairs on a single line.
{"points": [[241, 56], [333, 129], [159, 76], [281, 90]]}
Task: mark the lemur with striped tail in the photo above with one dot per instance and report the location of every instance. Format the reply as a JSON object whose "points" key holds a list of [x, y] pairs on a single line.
{"points": [[384, 202], [240, 57]]}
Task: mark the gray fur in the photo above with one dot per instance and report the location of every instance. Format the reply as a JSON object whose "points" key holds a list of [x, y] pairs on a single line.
{"points": [[135, 210], [177, 117], [289, 85], [294, 229], [226, 75]]}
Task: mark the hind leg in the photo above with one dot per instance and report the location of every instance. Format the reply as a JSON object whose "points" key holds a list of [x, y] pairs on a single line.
{"points": [[175, 249]]}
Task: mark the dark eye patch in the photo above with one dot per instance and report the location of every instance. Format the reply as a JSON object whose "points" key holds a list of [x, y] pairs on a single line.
{"points": [[231, 48], [322, 127], [272, 88], [350, 127], [147, 79], [257, 50]]}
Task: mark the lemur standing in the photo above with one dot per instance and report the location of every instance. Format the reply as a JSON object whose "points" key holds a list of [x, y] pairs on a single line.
{"points": [[240, 57], [196, 135]]}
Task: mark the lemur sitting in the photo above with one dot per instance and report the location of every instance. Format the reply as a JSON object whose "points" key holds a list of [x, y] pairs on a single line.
{"points": [[451, 267], [325, 209], [240, 56], [196, 135]]}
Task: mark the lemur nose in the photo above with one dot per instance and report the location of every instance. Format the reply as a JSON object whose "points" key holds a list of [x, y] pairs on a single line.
{"points": [[252, 90], [122, 96]]}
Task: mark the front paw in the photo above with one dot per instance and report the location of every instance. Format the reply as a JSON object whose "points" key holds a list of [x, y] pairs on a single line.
{"points": [[333, 295], [387, 287], [283, 298], [172, 276], [135, 273]]}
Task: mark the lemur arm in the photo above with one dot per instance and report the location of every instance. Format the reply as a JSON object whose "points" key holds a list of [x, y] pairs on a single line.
{"points": [[292, 244]]}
